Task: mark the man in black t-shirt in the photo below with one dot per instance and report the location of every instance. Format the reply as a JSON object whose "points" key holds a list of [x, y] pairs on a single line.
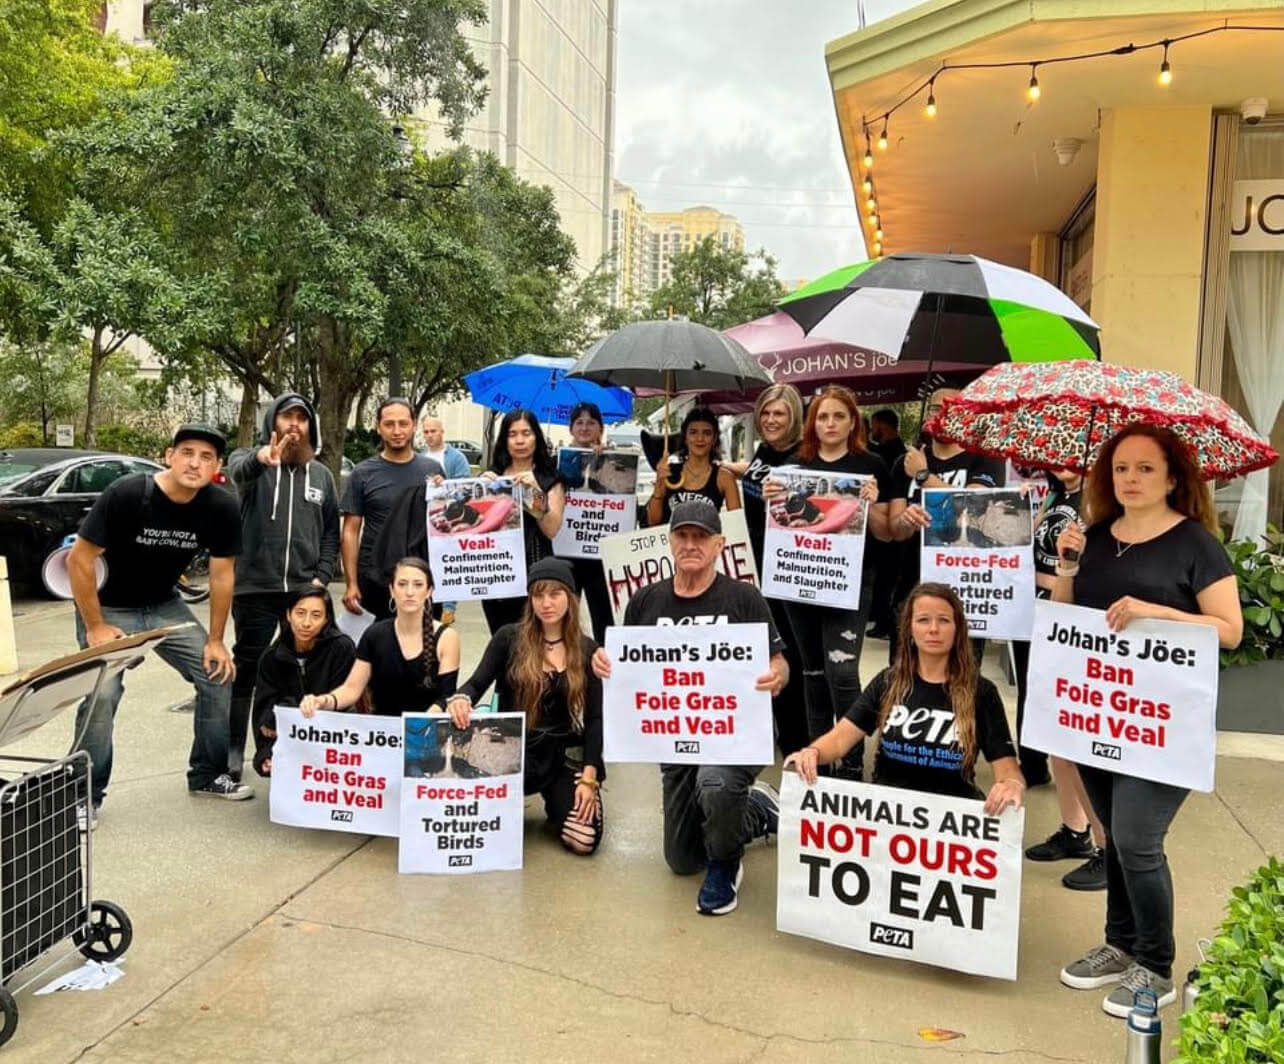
{"points": [[710, 811], [147, 528]]}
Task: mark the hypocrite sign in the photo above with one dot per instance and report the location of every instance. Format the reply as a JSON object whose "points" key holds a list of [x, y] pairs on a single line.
{"points": [[461, 796], [900, 873], [601, 499], [340, 771], [1142, 702], [981, 543], [635, 559], [475, 544], [814, 546], [684, 695]]}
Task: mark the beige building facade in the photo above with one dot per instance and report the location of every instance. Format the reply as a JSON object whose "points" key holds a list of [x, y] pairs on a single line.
{"points": [[1156, 202]]}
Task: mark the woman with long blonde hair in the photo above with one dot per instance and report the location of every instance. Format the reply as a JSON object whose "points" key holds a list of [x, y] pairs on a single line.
{"points": [[540, 666], [933, 711]]}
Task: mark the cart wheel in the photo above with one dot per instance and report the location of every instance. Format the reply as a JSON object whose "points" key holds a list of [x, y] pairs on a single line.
{"points": [[10, 1009], [108, 933]]}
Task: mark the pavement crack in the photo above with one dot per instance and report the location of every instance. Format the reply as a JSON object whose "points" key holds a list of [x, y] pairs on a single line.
{"points": [[766, 1037], [1242, 826]]}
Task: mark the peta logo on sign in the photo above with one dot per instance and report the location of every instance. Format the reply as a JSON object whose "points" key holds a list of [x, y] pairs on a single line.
{"points": [[885, 935], [1115, 753], [460, 860], [686, 746], [343, 816]]}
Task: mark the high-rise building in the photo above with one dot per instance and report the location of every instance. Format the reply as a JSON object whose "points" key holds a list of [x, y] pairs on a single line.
{"points": [[550, 110], [629, 244]]}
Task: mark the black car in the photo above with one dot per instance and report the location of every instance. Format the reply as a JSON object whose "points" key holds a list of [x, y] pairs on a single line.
{"points": [[469, 450], [45, 492]]}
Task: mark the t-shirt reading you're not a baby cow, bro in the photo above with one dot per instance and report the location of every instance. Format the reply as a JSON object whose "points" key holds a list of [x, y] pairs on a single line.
{"points": [[148, 539]]}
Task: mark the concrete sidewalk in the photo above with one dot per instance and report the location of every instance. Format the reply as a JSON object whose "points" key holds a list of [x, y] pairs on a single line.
{"points": [[261, 943]]}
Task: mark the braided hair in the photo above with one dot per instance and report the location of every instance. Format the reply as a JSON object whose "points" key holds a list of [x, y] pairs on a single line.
{"points": [[429, 636]]}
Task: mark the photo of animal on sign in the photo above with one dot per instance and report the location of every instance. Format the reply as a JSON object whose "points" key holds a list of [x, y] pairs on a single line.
{"points": [[475, 544], [814, 544]]}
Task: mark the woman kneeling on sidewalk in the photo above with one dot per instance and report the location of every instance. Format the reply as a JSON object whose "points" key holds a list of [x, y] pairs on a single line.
{"points": [[541, 666], [934, 712]]}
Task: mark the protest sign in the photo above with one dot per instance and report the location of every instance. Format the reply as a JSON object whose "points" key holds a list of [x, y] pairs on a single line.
{"points": [[461, 796], [601, 499], [1033, 481], [814, 546], [635, 559], [340, 771], [900, 873], [475, 544], [980, 543], [1142, 702], [684, 695]]}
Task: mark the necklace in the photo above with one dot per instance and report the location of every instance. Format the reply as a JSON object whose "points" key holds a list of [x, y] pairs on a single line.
{"points": [[1121, 549], [553, 642]]}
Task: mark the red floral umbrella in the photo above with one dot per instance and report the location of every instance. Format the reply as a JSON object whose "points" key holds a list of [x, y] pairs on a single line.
{"points": [[1057, 415]]}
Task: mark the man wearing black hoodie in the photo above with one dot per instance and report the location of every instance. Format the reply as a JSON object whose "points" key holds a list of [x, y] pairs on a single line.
{"points": [[310, 657], [290, 537]]}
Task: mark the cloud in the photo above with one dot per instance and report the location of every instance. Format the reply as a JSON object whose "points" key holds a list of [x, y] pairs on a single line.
{"points": [[728, 104]]}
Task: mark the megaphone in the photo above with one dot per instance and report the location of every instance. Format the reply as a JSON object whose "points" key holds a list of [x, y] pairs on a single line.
{"points": [[54, 573]]}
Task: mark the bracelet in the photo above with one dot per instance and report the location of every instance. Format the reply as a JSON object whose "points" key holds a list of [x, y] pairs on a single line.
{"points": [[335, 699], [1066, 572], [460, 694], [589, 783]]}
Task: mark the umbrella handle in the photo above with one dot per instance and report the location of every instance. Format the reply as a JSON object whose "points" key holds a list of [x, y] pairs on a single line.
{"points": [[931, 359]]}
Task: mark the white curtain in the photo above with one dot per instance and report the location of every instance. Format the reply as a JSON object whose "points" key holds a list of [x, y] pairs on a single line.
{"points": [[1255, 325]]}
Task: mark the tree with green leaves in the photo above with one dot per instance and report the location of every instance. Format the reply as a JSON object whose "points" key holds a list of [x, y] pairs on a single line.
{"points": [[719, 287]]}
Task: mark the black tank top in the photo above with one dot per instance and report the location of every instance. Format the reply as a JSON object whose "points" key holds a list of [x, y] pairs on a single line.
{"points": [[709, 490]]}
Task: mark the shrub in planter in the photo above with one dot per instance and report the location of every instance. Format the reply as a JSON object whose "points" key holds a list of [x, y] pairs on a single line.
{"points": [[1238, 1017], [1259, 571]]}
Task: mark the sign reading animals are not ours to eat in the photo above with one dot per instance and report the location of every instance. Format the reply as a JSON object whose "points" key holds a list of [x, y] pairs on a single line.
{"points": [[1142, 701]]}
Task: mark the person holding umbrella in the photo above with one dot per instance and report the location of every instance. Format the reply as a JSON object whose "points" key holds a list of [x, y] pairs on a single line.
{"points": [[522, 455], [1149, 551], [694, 472]]}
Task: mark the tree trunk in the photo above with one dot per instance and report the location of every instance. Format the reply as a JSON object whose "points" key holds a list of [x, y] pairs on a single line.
{"points": [[394, 374], [96, 360], [247, 420], [338, 388]]}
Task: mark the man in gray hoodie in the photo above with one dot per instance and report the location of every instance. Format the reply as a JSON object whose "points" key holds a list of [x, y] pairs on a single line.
{"points": [[290, 539]]}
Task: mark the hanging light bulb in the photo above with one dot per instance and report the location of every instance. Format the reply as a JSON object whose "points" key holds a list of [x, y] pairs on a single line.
{"points": [[930, 109], [1165, 69], [878, 247], [878, 233], [1033, 91], [869, 155], [872, 216], [871, 203], [868, 186], [882, 137]]}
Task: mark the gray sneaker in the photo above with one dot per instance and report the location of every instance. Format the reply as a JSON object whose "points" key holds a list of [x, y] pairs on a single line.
{"points": [[1100, 966], [224, 787], [1119, 1001]]}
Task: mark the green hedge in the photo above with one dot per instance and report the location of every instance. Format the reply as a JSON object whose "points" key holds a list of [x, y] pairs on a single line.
{"points": [[1238, 1017]]}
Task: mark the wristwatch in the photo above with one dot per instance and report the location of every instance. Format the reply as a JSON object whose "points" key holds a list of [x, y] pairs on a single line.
{"points": [[920, 478]]}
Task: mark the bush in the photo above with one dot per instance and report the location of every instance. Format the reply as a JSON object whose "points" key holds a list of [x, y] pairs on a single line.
{"points": [[125, 439], [23, 434], [1238, 1017], [1259, 571], [360, 444]]}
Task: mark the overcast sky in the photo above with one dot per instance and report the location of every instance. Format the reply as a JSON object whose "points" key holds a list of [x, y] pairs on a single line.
{"points": [[727, 103]]}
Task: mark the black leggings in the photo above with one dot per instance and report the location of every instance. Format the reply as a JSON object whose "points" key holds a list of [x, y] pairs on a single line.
{"points": [[558, 793]]}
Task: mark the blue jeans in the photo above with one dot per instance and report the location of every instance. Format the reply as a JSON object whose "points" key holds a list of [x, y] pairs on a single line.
{"points": [[95, 717]]}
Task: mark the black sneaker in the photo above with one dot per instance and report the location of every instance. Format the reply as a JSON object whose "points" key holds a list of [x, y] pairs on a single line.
{"points": [[1091, 875], [720, 891], [1063, 844], [764, 798], [224, 787]]}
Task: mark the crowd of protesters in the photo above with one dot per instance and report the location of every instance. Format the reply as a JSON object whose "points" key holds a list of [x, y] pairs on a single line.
{"points": [[274, 553]]}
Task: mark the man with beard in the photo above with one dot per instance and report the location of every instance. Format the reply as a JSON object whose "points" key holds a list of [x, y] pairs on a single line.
{"points": [[290, 533], [373, 490]]}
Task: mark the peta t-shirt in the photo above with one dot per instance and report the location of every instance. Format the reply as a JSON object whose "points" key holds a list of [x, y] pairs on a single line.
{"points": [[147, 545], [919, 748], [725, 601]]}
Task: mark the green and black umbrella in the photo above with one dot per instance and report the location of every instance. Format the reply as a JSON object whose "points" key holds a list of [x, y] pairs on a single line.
{"points": [[945, 308]]}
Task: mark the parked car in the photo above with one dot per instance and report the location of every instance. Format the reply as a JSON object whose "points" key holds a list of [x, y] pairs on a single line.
{"points": [[45, 492], [470, 450]]}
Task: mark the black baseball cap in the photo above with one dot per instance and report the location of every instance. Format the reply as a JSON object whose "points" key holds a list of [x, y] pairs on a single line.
{"points": [[552, 569], [198, 431], [698, 512]]}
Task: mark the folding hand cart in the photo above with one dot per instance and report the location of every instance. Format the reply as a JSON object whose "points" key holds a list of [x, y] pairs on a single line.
{"points": [[46, 847]]}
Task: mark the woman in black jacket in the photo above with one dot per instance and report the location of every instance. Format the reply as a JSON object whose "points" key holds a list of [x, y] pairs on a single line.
{"points": [[310, 655], [541, 666]]}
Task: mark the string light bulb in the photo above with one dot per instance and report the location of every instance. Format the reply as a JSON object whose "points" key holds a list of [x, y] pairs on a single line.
{"points": [[1033, 91], [882, 137], [930, 109], [869, 155], [878, 247], [878, 233], [868, 186], [1165, 69], [871, 203]]}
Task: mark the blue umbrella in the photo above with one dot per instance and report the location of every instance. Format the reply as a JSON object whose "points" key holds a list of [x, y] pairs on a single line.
{"points": [[539, 383]]}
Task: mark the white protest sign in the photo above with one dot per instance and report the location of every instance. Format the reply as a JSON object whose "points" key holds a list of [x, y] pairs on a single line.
{"points": [[980, 543], [601, 499], [475, 544], [814, 545], [1142, 702], [635, 559], [461, 798], [684, 695], [340, 771], [900, 873], [1035, 484]]}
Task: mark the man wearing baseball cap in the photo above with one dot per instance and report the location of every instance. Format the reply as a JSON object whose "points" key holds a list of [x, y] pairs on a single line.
{"points": [[147, 528], [710, 811]]}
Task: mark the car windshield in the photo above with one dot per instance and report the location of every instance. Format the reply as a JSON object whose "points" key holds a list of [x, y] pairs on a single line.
{"points": [[12, 470]]}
